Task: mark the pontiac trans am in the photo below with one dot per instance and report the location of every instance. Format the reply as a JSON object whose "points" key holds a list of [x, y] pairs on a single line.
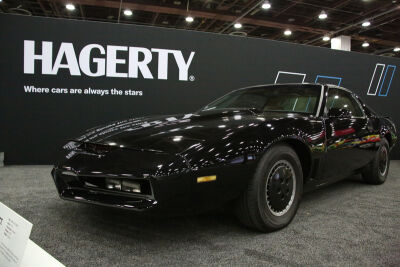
{"points": [[259, 148]]}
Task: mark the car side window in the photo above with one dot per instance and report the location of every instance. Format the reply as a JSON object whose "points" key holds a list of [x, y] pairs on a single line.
{"points": [[341, 99]]}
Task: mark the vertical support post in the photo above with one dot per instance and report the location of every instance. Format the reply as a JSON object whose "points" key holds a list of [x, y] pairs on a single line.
{"points": [[341, 43]]}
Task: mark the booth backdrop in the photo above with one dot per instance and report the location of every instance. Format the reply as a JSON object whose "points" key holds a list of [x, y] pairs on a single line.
{"points": [[60, 77]]}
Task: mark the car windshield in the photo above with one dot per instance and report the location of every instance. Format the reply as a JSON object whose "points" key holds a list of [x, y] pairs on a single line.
{"points": [[279, 98]]}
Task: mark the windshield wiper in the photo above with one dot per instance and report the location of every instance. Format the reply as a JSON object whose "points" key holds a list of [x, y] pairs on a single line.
{"points": [[252, 110]]}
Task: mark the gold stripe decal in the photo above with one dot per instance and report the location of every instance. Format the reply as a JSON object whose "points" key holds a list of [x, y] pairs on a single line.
{"points": [[204, 179]]}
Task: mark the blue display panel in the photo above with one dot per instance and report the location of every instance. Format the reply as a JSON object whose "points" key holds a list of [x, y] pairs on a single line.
{"points": [[387, 80], [328, 80]]}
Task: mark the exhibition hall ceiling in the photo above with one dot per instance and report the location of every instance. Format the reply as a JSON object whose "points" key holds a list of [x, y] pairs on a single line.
{"points": [[374, 25]]}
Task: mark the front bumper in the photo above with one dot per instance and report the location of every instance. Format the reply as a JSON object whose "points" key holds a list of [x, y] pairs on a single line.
{"points": [[170, 186], [75, 188], [81, 176]]}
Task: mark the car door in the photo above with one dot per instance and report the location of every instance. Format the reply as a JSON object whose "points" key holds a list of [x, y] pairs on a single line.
{"points": [[346, 131]]}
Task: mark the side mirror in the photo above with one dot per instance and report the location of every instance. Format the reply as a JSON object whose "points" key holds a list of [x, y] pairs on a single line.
{"points": [[339, 113]]}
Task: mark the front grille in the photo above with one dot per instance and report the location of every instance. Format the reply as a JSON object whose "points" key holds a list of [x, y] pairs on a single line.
{"points": [[100, 183], [71, 180]]}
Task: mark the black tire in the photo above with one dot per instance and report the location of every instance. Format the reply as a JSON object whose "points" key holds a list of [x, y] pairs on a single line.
{"points": [[255, 208], [377, 170]]}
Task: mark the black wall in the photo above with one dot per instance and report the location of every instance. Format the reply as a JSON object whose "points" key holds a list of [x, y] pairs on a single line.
{"points": [[34, 125]]}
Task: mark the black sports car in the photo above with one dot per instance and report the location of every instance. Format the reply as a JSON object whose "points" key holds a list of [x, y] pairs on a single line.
{"points": [[259, 147]]}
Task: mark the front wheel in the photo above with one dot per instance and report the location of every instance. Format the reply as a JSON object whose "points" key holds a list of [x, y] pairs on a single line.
{"points": [[377, 171], [273, 195]]}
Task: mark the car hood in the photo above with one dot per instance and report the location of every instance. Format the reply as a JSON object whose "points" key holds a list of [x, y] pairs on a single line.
{"points": [[174, 133]]}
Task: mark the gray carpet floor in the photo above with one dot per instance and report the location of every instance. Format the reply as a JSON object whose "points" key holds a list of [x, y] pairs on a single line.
{"points": [[346, 224]]}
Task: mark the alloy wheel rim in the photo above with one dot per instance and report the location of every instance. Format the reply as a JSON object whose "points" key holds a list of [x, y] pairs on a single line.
{"points": [[383, 160], [280, 188]]}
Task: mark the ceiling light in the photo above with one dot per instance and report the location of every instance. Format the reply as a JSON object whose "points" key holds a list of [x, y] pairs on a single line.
{"points": [[70, 7], [326, 38], [237, 25], [287, 32], [128, 12], [365, 44], [323, 15], [266, 5], [366, 24], [189, 19], [396, 49]]}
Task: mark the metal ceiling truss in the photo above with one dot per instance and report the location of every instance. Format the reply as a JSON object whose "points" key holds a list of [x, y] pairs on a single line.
{"points": [[300, 16]]}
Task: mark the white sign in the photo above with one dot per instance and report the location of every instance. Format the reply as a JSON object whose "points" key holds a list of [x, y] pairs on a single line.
{"points": [[35, 256], [14, 235], [106, 64]]}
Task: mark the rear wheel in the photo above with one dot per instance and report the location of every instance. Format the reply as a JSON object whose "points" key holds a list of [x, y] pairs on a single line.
{"points": [[377, 171], [273, 195]]}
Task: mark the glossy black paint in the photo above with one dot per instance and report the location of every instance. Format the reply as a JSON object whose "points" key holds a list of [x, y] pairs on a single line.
{"points": [[168, 153]]}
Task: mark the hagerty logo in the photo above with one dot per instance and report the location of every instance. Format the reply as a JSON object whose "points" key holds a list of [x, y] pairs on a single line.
{"points": [[111, 57]]}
